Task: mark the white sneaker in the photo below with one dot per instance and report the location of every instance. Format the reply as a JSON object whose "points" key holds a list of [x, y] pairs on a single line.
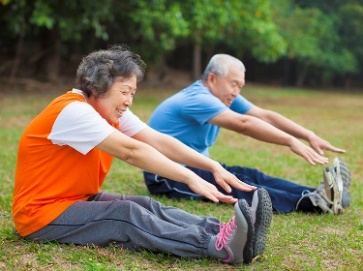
{"points": [[342, 175], [330, 192], [316, 199], [326, 196]]}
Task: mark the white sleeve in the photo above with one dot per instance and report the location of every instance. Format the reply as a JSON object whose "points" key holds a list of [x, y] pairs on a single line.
{"points": [[130, 124], [80, 126]]}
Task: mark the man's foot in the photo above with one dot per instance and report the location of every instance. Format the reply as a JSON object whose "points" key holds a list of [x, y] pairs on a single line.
{"points": [[326, 197], [261, 210], [236, 236], [342, 175], [331, 191], [309, 198]]}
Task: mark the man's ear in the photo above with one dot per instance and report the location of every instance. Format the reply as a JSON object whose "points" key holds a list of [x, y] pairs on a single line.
{"points": [[212, 78]]}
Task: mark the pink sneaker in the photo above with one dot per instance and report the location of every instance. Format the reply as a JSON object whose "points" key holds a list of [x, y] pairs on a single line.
{"points": [[236, 236], [261, 210]]}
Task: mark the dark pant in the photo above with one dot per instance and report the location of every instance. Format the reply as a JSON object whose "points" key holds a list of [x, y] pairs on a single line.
{"points": [[284, 194]]}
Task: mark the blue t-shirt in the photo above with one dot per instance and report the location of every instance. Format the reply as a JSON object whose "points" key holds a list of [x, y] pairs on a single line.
{"points": [[185, 116]]}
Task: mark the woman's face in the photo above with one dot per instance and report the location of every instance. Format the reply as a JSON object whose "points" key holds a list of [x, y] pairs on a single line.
{"points": [[116, 100]]}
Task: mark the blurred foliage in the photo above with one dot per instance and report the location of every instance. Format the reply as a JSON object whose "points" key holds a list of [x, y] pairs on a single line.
{"points": [[316, 38]]}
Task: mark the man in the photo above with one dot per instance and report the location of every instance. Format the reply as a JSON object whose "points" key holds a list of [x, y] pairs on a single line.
{"points": [[195, 115], [67, 150]]}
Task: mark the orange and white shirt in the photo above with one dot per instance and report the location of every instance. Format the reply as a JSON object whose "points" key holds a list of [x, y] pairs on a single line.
{"points": [[58, 164]]}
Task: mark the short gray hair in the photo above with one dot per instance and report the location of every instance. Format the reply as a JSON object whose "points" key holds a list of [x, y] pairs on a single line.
{"points": [[219, 64], [98, 70]]}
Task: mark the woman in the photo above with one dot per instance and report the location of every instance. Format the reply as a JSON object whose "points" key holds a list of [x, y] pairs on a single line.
{"points": [[67, 150]]}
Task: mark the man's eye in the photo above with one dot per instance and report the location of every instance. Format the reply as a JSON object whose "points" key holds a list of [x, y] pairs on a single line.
{"points": [[235, 85]]}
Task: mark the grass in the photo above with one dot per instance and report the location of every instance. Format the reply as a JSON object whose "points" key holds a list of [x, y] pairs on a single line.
{"points": [[296, 241]]}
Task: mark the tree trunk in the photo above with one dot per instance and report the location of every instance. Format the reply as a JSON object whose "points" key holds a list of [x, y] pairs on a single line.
{"points": [[348, 82], [53, 61], [161, 67], [19, 52], [48, 65], [302, 76], [286, 73], [197, 61]]}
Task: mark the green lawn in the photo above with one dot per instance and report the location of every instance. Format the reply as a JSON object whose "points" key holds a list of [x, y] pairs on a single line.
{"points": [[296, 241]]}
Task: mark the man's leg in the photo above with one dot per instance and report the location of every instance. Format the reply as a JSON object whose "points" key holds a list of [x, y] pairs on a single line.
{"points": [[284, 194], [158, 185]]}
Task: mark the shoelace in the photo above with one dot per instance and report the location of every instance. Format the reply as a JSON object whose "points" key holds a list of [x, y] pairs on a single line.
{"points": [[305, 192], [319, 198], [225, 232]]}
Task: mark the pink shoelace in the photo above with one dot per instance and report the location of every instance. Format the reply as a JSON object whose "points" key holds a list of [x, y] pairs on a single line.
{"points": [[225, 232]]}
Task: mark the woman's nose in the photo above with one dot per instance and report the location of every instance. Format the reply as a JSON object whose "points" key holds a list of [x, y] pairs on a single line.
{"points": [[128, 101]]}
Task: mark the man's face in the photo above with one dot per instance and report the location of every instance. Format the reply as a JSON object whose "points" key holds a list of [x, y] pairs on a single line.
{"points": [[227, 88], [115, 102]]}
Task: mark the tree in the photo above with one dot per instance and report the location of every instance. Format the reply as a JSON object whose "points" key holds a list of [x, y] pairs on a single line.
{"points": [[241, 25], [313, 42], [56, 22], [322, 39], [156, 27], [14, 17], [349, 24]]}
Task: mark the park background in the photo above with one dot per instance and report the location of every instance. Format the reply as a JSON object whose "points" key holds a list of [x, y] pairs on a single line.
{"points": [[282, 42], [304, 59]]}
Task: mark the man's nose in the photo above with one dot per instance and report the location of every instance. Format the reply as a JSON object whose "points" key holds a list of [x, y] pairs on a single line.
{"points": [[235, 92]]}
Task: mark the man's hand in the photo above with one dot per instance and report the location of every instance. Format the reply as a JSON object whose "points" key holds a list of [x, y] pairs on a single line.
{"points": [[309, 154], [319, 144]]}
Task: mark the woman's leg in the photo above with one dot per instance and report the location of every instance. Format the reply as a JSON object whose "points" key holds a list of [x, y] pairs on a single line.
{"points": [[127, 223], [167, 213]]}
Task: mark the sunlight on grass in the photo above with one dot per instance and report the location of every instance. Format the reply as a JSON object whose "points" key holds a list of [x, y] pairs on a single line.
{"points": [[296, 241]]}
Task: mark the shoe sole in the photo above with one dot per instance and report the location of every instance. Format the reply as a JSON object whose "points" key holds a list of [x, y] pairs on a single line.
{"points": [[263, 221], [248, 248], [334, 191], [343, 177]]}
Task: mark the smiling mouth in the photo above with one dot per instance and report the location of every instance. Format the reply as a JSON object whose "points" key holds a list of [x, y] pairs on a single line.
{"points": [[120, 111]]}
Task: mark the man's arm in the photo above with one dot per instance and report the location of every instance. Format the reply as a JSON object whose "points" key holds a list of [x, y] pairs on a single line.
{"points": [[264, 131], [294, 129]]}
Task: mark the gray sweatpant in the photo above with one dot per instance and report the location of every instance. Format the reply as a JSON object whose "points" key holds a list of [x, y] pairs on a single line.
{"points": [[131, 222]]}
